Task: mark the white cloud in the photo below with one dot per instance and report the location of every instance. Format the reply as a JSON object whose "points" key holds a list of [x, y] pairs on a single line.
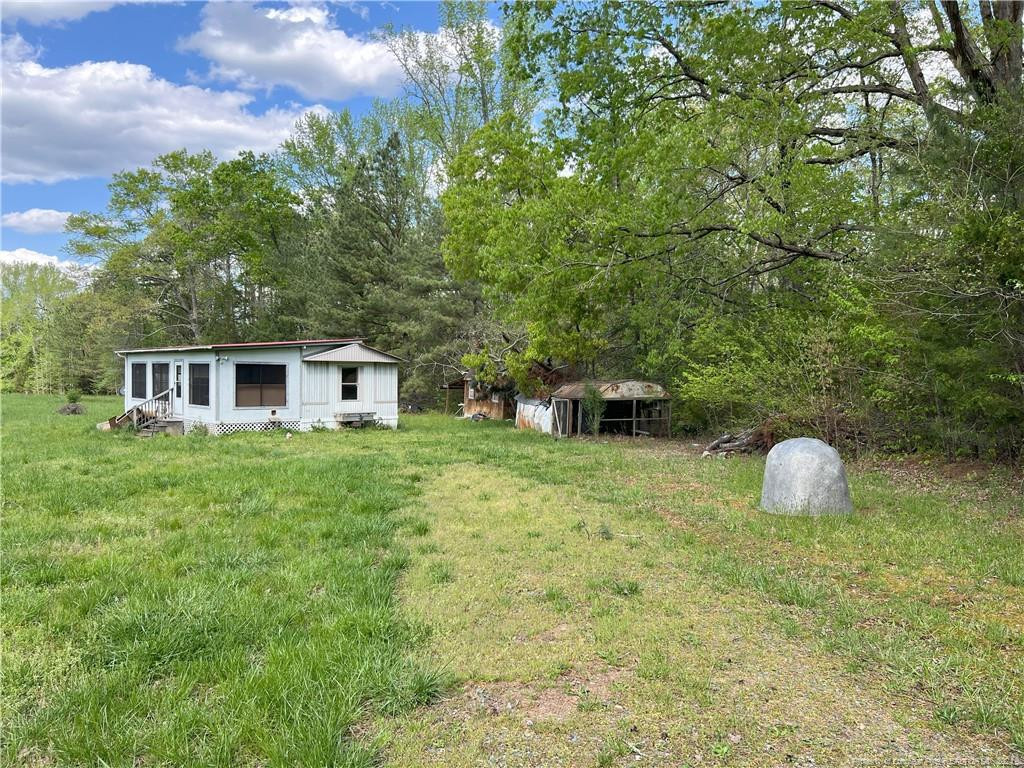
{"points": [[95, 118], [41, 13], [360, 10], [36, 221], [299, 47], [28, 256]]}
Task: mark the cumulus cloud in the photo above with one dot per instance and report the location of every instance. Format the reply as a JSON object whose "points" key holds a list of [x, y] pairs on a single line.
{"points": [[95, 118], [36, 221], [41, 13], [28, 256], [300, 47]]}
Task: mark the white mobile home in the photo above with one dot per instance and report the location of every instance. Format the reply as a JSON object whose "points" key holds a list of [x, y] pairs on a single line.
{"points": [[293, 385]]}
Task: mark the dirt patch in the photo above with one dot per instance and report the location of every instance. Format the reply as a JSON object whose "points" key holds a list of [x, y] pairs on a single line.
{"points": [[962, 480], [595, 682], [535, 701], [555, 634], [528, 701]]}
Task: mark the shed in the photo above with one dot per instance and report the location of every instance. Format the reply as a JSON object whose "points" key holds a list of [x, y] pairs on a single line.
{"points": [[631, 408], [294, 385], [492, 400], [497, 399]]}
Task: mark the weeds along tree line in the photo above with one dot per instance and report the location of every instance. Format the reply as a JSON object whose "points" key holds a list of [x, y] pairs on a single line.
{"points": [[809, 214]]}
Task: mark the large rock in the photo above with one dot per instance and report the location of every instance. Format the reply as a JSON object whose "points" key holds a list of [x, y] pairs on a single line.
{"points": [[805, 476]]}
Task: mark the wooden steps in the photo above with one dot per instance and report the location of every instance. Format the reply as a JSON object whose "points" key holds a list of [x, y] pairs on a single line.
{"points": [[162, 427]]}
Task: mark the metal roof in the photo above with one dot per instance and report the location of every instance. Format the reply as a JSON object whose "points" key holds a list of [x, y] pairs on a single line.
{"points": [[243, 344], [623, 389], [352, 353]]}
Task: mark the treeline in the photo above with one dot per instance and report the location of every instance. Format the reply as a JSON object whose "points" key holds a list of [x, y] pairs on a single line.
{"points": [[810, 215], [336, 234]]}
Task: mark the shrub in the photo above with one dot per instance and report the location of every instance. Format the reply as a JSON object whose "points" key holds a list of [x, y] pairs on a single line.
{"points": [[593, 408]]}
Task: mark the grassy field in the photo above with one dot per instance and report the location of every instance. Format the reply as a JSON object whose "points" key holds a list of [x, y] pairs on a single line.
{"points": [[461, 594]]}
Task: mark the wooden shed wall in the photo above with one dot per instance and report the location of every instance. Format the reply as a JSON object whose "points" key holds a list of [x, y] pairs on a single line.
{"points": [[503, 409]]}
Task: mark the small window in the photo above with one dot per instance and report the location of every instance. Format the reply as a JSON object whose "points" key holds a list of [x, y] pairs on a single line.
{"points": [[259, 385], [161, 379], [139, 381], [349, 383], [199, 383]]}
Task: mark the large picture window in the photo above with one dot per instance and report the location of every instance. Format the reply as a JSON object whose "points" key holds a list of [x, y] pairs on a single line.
{"points": [[199, 383], [349, 383], [139, 381], [259, 385], [161, 378]]}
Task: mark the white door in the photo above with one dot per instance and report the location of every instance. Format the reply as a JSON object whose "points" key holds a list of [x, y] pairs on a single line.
{"points": [[177, 391]]}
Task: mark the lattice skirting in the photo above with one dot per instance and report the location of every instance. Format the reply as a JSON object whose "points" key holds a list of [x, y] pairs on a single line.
{"points": [[248, 426]]}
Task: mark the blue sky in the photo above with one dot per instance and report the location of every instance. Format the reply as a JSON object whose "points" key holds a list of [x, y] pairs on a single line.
{"points": [[90, 88]]}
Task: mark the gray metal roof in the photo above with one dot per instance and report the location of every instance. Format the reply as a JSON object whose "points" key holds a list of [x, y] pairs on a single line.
{"points": [[623, 389], [352, 353]]}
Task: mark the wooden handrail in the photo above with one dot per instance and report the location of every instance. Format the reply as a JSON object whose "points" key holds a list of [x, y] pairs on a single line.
{"points": [[156, 408]]}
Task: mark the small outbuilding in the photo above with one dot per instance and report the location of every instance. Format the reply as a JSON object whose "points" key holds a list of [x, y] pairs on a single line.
{"points": [[631, 407], [491, 400], [498, 399], [296, 385]]}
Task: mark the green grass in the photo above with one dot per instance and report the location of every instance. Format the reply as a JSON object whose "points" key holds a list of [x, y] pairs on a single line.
{"points": [[198, 601], [257, 600]]}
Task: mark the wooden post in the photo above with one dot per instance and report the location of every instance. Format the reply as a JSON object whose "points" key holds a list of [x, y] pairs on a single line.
{"points": [[634, 418]]}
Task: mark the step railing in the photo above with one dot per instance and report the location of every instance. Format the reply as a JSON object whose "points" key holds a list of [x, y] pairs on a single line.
{"points": [[156, 408]]}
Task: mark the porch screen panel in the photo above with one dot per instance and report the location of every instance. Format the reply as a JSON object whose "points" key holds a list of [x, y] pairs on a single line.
{"points": [[161, 378], [139, 381], [199, 383], [259, 385]]}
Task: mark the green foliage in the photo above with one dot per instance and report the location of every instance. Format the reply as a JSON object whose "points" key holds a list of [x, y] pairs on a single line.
{"points": [[31, 296], [704, 205], [594, 405]]}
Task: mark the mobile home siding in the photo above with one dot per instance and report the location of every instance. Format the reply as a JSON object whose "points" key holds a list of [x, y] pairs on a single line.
{"points": [[312, 389]]}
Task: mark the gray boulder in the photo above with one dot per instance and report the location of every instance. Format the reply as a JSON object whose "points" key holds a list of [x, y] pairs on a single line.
{"points": [[805, 476]]}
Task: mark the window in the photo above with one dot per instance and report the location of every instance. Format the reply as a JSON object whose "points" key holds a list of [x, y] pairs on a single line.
{"points": [[177, 380], [161, 378], [199, 383], [139, 381], [349, 383], [259, 385]]}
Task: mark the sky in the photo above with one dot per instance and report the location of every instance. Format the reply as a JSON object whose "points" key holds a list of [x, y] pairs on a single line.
{"points": [[92, 88]]}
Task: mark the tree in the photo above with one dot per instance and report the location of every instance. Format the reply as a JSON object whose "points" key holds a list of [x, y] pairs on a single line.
{"points": [[455, 80], [370, 259], [199, 237], [715, 167], [29, 296]]}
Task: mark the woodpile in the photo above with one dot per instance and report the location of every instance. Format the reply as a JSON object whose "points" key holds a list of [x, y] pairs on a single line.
{"points": [[760, 439]]}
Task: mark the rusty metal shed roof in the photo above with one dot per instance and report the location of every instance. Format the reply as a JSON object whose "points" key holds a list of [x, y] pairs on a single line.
{"points": [[623, 389]]}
